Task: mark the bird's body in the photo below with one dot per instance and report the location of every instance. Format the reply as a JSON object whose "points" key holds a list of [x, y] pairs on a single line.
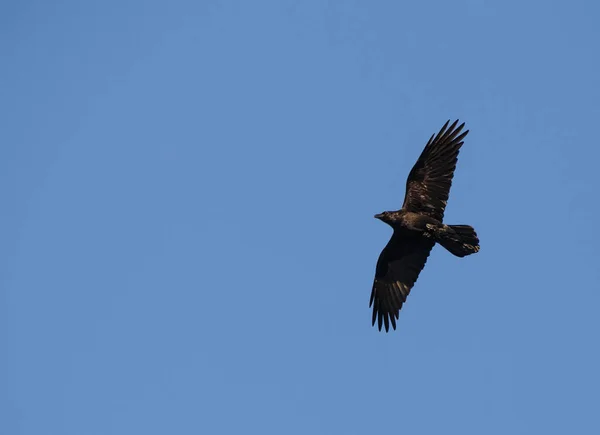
{"points": [[418, 226], [407, 221]]}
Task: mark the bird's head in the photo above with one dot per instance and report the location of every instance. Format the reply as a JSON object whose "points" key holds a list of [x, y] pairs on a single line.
{"points": [[386, 216]]}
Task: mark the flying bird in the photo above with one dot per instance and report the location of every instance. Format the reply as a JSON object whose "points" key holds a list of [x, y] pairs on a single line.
{"points": [[418, 226]]}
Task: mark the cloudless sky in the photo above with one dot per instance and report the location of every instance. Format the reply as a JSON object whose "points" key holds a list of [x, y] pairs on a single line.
{"points": [[188, 245]]}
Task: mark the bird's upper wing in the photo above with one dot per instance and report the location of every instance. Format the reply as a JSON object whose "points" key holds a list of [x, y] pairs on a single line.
{"points": [[397, 270], [429, 181]]}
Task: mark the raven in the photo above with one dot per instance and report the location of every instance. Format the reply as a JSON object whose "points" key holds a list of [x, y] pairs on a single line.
{"points": [[418, 226]]}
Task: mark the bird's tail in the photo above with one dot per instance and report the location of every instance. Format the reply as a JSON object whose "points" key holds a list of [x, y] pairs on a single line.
{"points": [[460, 240]]}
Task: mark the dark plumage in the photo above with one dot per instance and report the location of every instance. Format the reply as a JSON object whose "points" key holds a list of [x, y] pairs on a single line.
{"points": [[418, 226]]}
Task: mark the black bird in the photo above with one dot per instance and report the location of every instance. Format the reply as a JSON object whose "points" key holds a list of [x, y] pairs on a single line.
{"points": [[418, 226]]}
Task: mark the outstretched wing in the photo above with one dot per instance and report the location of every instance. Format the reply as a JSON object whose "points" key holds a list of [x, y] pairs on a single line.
{"points": [[429, 181], [397, 270]]}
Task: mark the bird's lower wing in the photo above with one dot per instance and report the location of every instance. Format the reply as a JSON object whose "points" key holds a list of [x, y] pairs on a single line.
{"points": [[398, 268]]}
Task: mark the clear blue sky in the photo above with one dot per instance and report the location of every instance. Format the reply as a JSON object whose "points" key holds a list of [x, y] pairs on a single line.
{"points": [[188, 243]]}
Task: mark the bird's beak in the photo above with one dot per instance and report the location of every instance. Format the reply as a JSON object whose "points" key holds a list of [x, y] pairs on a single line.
{"points": [[378, 216]]}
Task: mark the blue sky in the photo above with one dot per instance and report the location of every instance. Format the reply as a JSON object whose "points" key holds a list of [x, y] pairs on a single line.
{"points": [[188, 242]]}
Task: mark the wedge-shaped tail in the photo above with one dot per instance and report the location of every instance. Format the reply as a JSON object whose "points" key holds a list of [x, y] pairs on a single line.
{"points": [[460, 240]]}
